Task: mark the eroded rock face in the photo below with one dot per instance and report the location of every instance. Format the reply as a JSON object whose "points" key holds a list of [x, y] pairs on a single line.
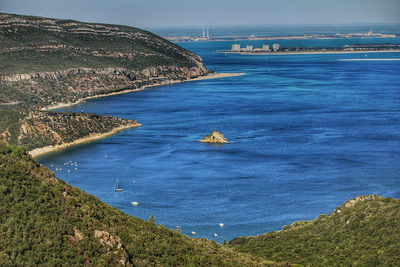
{"points": [[42, 128], [214, 137]]}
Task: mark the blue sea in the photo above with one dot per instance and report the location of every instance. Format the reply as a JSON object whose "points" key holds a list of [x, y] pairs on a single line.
{"points": [[306, 132]]}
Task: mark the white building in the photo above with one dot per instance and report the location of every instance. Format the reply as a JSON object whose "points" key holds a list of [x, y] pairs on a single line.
{"points": [[249, 48], [275, 47], [265, 47], [236, 47]]}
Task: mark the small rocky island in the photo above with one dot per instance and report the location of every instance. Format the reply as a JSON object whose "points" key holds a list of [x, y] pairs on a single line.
{"points": [[214, 137]]}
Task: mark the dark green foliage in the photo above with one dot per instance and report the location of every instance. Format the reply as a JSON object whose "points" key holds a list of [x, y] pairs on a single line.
{"points": [[364, 231], [151, 50], [44, 221], [45, 62]]}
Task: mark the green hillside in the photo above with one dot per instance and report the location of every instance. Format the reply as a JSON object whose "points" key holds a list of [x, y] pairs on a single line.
{"points": [[45, 221], [36, 44], [45, 62], [364, 231]]}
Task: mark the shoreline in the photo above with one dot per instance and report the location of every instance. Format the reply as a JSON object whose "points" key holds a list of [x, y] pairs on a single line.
{"points": [[87, 139], [368, 59], [308, 52], [93, 137], [205, 77]]}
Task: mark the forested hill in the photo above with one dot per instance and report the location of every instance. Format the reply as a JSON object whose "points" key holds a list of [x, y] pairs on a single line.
{"points": [[34, 44], [44, 221], [45, 62], [364, 231]]}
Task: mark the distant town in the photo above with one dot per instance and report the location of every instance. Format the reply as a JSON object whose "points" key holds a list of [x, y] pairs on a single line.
{"points": [[205, 36], [277, 49], [250, 48]]}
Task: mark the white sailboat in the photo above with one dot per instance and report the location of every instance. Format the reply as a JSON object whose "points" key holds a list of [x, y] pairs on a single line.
{"points": [[117, 189]]}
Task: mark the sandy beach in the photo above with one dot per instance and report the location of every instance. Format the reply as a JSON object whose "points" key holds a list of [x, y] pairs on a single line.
{"points": [[90, 138]]}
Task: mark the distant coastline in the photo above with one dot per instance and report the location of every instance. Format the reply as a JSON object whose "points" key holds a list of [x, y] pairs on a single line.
{"points": [[222, 38], [309, 52]]}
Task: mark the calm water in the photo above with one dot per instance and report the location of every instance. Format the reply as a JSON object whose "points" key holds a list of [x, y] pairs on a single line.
{"points": [[307, 133]]}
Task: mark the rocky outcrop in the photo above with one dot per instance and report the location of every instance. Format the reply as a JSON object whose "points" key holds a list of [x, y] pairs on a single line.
{"points": [[42, 129], [214, 137]]}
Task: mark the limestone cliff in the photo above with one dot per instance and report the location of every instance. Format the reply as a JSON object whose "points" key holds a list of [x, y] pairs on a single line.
{"points": [[52, 61], [41, 129]]}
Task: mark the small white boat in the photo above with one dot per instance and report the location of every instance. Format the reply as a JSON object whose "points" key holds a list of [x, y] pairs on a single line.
{"points": [[221, 225], [215, 235], [135, 203], [117, 188], [193, 233]]}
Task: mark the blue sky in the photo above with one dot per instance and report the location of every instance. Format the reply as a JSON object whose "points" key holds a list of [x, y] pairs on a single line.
{"points": [[158, 13]]}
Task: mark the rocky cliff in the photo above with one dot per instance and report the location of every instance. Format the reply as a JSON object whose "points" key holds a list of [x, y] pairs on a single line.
{"points": [[50, 61], [41, 129]]}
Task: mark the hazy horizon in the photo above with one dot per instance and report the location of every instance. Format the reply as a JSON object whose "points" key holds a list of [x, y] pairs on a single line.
{"points": [[179, 13]]}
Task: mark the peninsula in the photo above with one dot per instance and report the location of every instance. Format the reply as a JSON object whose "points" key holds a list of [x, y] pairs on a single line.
{"points": [[276, 49]]}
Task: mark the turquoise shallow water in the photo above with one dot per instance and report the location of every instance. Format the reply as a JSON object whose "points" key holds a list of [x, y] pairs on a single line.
{"points": [[307, 133]]}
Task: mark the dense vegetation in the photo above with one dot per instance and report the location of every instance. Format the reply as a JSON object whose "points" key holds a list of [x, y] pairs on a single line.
{"points": [[364, 231], [45, 221], [49, 61], [36, 44]]}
